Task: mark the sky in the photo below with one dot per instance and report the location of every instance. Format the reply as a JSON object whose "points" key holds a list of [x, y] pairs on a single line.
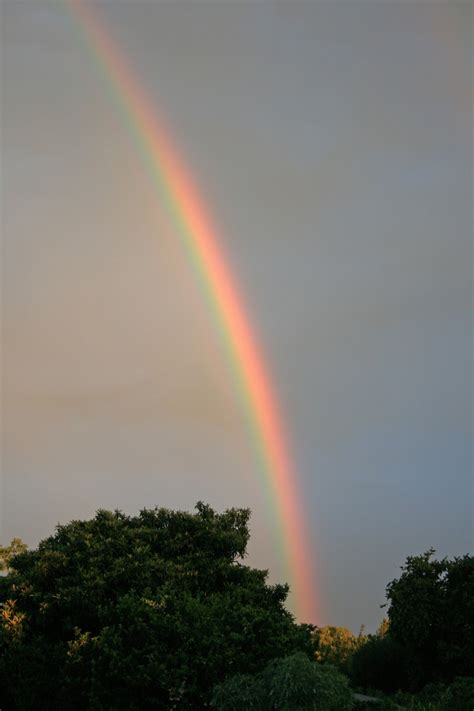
{"points": [[331, 143]]}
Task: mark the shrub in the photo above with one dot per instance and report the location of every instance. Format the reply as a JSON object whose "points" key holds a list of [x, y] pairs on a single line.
{"points": [[241, 691], [286, 684], [460, 695], [431, 696], [296, 682]]}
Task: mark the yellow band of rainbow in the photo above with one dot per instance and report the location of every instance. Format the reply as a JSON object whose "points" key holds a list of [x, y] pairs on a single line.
{"points": [[174, 185]]}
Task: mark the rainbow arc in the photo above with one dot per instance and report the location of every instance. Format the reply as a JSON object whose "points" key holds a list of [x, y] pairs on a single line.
{"points": [[192, 223]]}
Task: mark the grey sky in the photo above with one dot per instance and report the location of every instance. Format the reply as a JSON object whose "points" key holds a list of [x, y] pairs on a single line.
{"points": [[332, 143]]}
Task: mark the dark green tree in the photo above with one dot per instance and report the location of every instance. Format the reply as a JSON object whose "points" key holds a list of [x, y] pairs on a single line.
{"points": [[381, 663], [431, 614], [138, 612]]}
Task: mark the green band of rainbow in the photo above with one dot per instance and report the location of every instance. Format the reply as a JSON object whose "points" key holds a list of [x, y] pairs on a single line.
{"points": [[174, 184]]}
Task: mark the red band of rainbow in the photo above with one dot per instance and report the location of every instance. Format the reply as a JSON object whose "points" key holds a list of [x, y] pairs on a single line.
{"points": [[193, 225]]}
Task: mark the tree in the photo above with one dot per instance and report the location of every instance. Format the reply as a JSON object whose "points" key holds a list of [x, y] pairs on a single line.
{"points": [[7, 553], [380, 663], [431, 614], [336, 645], [383, 628], [139, 612]]}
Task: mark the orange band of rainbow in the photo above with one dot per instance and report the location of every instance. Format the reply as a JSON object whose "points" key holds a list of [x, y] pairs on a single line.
{"points": [[193, 225]]}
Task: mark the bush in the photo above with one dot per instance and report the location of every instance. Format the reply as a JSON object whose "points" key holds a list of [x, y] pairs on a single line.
{"points": [[297, 683], [287, 684], [432, 693], [380, 664], [460, 695], [241, 691]]}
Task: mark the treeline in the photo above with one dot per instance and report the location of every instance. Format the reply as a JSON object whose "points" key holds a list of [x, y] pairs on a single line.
{"points": [[427, 638], [158, 611]]}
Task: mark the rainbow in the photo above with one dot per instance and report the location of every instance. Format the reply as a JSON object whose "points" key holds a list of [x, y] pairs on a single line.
{"points": [[174, 185]]}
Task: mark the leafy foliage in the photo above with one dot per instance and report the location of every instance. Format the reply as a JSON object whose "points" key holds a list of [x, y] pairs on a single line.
{"points": [[159, 611], [297, 683], [383, 628], [293, 682], [429, 636], [460, 695], [336, 645], [241, 691], [7, 553], [138, 612], [432, 615]]}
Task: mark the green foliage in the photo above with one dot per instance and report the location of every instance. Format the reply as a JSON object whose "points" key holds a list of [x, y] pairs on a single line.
{"points": [[138, 612], [286, 684], [241, 691], [431, 614], [431, 700], [8, 553], [400, 702], [381, 705], [297, 683], [432, 694], [158, 610], [381, 663], [429, 636], [460, 695]]}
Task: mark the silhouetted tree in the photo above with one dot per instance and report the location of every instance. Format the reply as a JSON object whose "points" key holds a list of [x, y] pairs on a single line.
{"points": [[139, 612], [431, 614], [381, 663]]}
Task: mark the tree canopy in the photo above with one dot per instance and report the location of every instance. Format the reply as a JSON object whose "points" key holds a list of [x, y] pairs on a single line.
{"points": [[336, 645], [150, 611], [431, 614], [159, 611], [7, 553]]}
